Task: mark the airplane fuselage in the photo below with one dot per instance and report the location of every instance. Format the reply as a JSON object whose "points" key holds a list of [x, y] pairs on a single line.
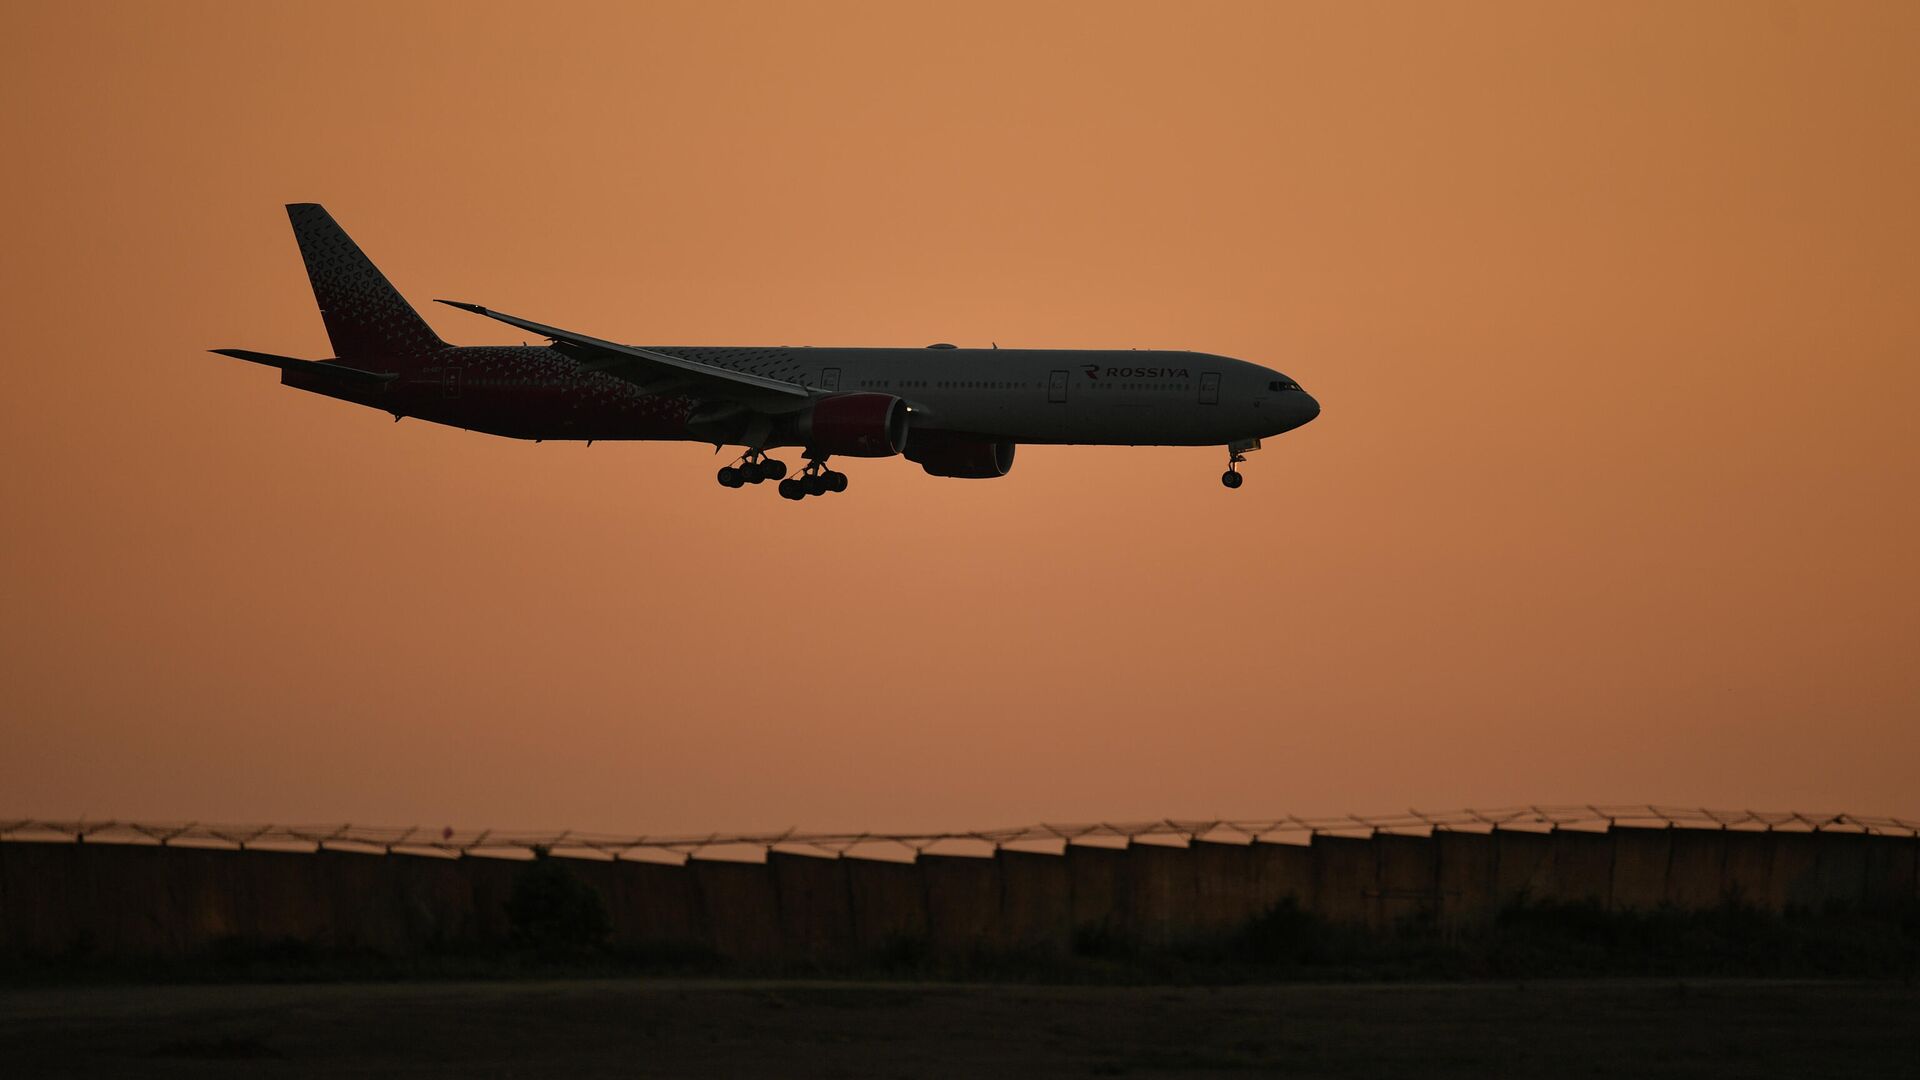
{"points": [[1097, 397]]}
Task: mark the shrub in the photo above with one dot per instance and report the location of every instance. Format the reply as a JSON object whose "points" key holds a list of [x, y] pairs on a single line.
{"points": [[554, 911]]}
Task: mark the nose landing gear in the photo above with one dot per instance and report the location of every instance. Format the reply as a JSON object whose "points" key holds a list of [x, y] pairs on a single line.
{"points": [[754, 468], [1237, 453], [814, 479]]}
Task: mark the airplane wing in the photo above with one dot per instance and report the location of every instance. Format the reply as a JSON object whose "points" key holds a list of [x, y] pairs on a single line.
{"points": [[646, 365]]}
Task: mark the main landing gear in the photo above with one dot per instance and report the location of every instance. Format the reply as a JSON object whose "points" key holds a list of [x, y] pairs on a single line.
{"points": [[814, 479], [1237, 453], [756, 467], [753, 469]]}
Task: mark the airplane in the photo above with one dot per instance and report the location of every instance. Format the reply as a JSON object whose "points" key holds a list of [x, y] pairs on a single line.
{"points": [[954, 412]]}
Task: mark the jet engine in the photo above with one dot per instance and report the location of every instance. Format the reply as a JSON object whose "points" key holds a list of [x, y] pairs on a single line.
{"points": [[856, 425], [947, 453]]}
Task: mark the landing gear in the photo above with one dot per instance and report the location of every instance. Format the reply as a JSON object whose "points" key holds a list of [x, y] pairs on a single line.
{"points": [[1237, 453], [814, 479], [756, 467], [753, 469]]}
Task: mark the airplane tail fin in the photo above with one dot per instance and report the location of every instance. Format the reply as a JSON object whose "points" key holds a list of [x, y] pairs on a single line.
{"points": [[366, 316]]}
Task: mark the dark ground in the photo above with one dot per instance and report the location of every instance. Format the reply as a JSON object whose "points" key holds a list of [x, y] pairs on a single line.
{"points": [[713, 1028]]}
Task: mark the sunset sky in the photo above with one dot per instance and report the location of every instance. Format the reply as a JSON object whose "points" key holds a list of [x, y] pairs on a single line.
{"points": [[1614, 311]]}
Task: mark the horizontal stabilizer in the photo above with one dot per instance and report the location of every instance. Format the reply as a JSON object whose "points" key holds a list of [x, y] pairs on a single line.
{"points": [[318, 367]]}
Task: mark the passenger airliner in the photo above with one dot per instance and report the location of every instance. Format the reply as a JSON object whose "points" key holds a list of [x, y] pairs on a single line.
{"points": [[954, 412]]}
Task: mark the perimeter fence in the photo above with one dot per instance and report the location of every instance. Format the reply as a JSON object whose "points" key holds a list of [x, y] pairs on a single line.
{"points": [[849, 901], [449, 841]]}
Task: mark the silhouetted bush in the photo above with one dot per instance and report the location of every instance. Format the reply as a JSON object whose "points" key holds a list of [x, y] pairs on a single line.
{"points": [[1100, 941], [553, 911], [1288, 934], [561, 928]]}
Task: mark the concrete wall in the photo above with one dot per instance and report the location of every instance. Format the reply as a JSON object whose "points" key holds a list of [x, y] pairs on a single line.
{"points": [[1097, 879], [815, 904], [1893, 870], [1409, 879], [1226, 890], [1523, 866], [1696, 868], [1161, 895], [1583, 867], [1036, 902], [963, 904], [656, 908], [807, 912], [1747, 872], [1840, 868], [1793, 879], [1346, 878], [1640, 858], [740, 912], [1281, 872], [889, 908], [1465, 870]]}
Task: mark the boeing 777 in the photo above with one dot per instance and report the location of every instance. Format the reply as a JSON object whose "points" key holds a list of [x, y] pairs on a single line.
{"points": [[954, 412]]}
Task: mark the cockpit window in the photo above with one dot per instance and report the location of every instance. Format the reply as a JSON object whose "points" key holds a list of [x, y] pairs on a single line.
{"points": [[1284, 384]]}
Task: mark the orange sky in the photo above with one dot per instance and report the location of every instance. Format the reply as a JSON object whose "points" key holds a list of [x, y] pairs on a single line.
{"points": [[1612, 311]]}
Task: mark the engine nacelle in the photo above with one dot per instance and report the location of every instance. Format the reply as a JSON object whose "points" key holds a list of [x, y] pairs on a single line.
{"points": [[857, 425], [947, 453]]}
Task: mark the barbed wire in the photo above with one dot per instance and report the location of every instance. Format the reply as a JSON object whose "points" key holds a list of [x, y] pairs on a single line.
{"points": [[449, 841]]}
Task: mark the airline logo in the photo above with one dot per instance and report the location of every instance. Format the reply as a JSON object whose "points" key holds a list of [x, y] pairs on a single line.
{"points": [[1095, 371]]}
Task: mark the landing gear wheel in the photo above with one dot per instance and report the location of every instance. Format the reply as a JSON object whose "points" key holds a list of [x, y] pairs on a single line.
{"points": [[1236, 453], [814, 478], [753, 468]]}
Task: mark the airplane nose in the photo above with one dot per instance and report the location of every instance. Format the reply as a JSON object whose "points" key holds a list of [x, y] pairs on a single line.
{"points": [[1309, 408]]}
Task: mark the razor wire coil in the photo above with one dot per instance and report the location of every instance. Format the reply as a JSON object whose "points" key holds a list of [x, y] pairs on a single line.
{"points": [[451, 842]]}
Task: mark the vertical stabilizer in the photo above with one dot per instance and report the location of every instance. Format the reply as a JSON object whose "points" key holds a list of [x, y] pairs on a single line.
{"points": [[366, 316]]}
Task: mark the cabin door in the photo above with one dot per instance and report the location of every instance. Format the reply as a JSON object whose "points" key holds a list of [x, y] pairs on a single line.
{"points": [[1057, 387], [1209, 388]]}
